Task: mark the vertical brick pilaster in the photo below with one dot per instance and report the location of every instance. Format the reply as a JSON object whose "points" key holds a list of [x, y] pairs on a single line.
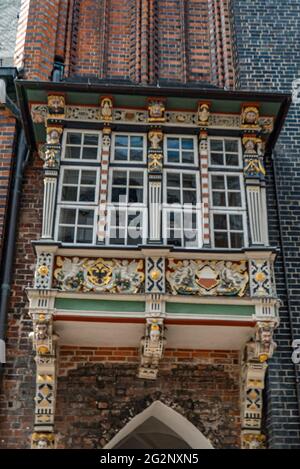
{"points": [[36, 38]]}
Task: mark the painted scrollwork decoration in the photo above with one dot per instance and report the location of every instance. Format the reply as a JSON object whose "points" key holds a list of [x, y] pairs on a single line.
{"points": [[207, 278], [99, 275]]}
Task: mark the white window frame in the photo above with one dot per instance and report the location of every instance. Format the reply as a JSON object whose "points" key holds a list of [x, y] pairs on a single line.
{"points": [[225, 166], [80, 169], [195, 164], [127, 162], [77, 208], [242, 191], [143, 207], [197, 209], [81, 160], [228, 210], [228, 231], [77, 205]]}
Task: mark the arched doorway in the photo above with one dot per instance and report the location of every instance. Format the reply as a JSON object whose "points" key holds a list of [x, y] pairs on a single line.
{"points": [[159, 427]]}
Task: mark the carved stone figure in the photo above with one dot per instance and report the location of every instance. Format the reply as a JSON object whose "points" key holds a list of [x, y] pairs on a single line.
{"points": [[203, 114], [151, 349], [53, 135], [106, 108], [155, 137], [250, 116], [265, 344], [56, 105], [156, 109]]}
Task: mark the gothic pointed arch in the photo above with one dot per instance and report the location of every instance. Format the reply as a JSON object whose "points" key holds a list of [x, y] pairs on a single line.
{"points": [[159, 424]]}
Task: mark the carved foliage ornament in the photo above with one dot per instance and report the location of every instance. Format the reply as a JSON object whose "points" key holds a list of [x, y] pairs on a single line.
{"points": [[223, 278], [100, 275]]}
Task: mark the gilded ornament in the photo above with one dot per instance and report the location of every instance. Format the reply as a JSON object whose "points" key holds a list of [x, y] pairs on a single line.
{"points": [[250, 117], [43, 350], [106, 106], [155, 275], [56, 106], [155, 137], [203, 114], [43, 270], [53, 135], [156, 110]]}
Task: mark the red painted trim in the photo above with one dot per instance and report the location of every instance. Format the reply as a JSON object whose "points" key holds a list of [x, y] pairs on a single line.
{"points": [[187, 322]]}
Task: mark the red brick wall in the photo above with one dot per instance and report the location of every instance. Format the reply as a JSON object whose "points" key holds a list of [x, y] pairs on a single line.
{"points": [[7, 141], [138, 40], [18, 385], [98, 393]]}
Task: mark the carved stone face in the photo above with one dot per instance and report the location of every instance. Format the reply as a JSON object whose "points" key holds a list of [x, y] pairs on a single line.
{"points": [[42, 444], [53, 136], [56, 104], [156, 109], [41, 331], [266, 336]]}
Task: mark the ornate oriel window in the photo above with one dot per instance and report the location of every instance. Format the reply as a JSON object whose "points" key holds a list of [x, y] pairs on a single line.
{"points": [[127, 207]]}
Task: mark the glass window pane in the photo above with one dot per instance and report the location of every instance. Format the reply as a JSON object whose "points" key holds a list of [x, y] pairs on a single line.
{"points": [[71, 176], [188, 157], [135, 195], [232, 160], [173, 156], [189, 197], [216, 145], [233, 182], [119, 195], [231, 146], [136, 178], [217, 159], [86, 217], [67, 216], [84, 235], [74, 138], [187, 144], [173, 179], [221, 240], [136, 142], [121, 154], [87, 194], [72, 153], [220, 221], [219, 199], [173, 196], [88, 177], [119, 178], [189, 181], [69, 194], [89, 153], [236, 222], [237, 240], [136, 155], [121, 141], [173, 143], [91, 139], [66, 234], [134, 238], [218, 182], [234, 199]]}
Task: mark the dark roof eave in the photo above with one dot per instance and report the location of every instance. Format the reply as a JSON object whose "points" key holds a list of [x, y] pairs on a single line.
{"points": [[142, 90]]}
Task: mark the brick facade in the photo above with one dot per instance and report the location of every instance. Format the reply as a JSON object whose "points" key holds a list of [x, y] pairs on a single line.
{"points": [[7, 141], [267, 35]]}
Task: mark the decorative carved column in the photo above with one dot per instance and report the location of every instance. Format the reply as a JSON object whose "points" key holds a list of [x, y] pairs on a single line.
{"points": [[44, 342], [156, 115], [203, 122], [153, 342], [254, 174], [257, 352], [51, 153]]}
